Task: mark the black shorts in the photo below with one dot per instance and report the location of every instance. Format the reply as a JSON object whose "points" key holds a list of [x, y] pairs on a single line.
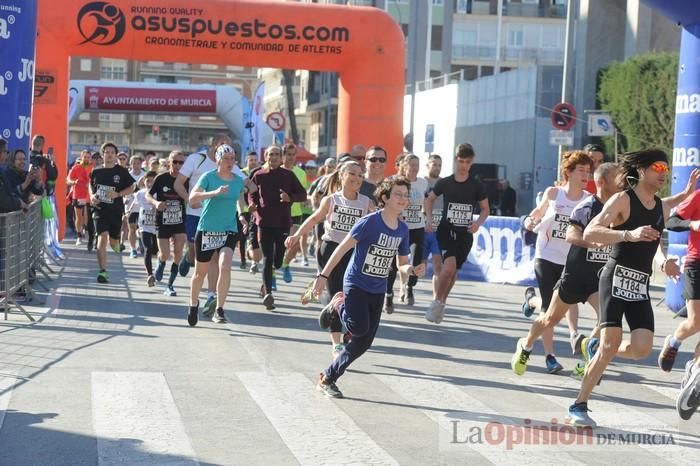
{"points": [[297, 220], [108, 222], [133, 218], [691, 286], [638, 313], [78, 203], [454, 243], [168, 231], [320, 230], [207, 243], [548, 274], [574, 288]]}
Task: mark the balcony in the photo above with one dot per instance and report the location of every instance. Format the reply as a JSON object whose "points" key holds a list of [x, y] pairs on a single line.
{"points": [[508, 54]]}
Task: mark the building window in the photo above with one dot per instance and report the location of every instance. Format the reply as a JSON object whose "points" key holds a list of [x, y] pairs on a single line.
{"points": [[463, 6], [552, 37], [209, 67], [85, 64], [515, 35], [84, 116], [438, 2], [436, 38], [113, 69]]}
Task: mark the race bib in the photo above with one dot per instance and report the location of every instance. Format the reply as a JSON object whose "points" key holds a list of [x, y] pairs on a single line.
{"points": [[559, 225], [437, 217], [102, 193], [460, 215], [413, 215], [147, 217], [630, 284], [172, 215], [212, 241], [343, 218], [379, 256], [599, 255]]}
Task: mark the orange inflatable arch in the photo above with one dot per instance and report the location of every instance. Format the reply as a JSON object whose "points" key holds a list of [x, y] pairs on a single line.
{"points": [[364, 45]]}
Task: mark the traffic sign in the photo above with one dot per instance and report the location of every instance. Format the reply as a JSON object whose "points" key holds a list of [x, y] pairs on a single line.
{"points": [[561, 138], [600, 124], [563, 116], [276, 121]]}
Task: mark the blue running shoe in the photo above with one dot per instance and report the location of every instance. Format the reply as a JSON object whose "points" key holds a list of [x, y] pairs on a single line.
{"points": [[578, 416], [591, 347], [287, 274], [553, 365], [159, 271], [209, 306], [273, 285], [184, 267], [527, 309]]}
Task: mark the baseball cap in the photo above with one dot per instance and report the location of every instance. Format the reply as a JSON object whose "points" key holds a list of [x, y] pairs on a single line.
{"points": [[222, 150], [344, 157], [330, 162], [310, 164]]}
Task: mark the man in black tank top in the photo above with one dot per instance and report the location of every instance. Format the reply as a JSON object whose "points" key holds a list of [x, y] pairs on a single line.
{"points": [[632, 222]]}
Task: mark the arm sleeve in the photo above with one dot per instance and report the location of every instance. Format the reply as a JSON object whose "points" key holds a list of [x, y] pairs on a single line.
{"points": [[677, 223], [439, 186], [254, 198], [127, 180], [480, 192], [688, 208], [359, 230], [190, 164], [581, 215]]}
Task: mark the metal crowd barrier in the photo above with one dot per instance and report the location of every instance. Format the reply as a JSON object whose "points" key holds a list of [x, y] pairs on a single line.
{"points": [[21, 255]]}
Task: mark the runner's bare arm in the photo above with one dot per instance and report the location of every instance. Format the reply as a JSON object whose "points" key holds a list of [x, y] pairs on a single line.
{"points": [[198, 194], [405, 267], [615, 212], [320, 283], [428, 207], [483, 215], [669, 265], [534, 217], [179, 186], [672, 201], [574, 235], [314, 219]]}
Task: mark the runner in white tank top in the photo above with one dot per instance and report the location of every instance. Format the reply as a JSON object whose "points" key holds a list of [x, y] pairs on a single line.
{"points": [[550, 219]]}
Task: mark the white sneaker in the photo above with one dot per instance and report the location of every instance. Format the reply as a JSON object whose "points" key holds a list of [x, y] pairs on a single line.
{"points": [[439, 312], [78, 242], [430, 314]]}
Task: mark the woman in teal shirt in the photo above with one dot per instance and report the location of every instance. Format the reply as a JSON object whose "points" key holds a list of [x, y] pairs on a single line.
{"points": [[220, 192]]}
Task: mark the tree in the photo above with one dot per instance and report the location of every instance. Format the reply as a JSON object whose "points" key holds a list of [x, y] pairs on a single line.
{"points": [[640, 94]]}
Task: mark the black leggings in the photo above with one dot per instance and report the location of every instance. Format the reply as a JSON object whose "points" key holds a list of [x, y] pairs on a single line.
{"points": [[416, 241], [242, 239], [335, 279], [90, 226], [149, 244], [272, 245]]}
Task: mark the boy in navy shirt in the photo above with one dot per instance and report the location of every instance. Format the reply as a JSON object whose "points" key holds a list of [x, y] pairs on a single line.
{"points": [[377, 240]]}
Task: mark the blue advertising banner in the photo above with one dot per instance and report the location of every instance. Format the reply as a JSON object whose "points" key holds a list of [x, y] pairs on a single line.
{"points": [[17, 41], [499, 254]]}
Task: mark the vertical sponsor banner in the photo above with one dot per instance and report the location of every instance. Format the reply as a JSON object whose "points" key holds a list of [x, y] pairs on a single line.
{"points": [[17, 41], [257, 118], [686, 143]]}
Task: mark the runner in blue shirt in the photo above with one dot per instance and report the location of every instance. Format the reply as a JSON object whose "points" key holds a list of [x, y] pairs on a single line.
{"points": [[217, 231], [377, 240]]}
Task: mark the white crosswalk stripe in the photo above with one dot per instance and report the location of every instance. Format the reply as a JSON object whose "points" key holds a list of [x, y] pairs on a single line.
{"points": [[8, 379], [312, 426], [136, 420]]}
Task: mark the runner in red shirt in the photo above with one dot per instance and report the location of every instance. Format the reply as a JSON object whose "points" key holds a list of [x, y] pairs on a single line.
{"points": [[78, 180]]}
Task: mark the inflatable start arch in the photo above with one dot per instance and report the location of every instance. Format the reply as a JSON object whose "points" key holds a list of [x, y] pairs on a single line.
{"points": [[364, 45]]}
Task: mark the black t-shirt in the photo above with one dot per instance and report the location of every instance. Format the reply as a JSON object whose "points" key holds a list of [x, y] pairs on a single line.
{"points": [[103, 180], [163, 190], [368, 189], [460, 200], [586, 262]]}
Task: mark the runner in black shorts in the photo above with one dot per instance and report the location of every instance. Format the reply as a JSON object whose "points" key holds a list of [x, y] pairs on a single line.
{"points": [[170, 219], [579, 281], [632, 222], [462, 196], [108, 186]]}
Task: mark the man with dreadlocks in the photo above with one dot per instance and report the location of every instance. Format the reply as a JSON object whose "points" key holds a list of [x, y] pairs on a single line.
{"points": [[632, 222]]}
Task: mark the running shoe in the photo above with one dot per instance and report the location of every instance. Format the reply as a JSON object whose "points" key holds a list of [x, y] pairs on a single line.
{"points": [[337, 349], [430, 314], [169, 291], [209, 306], [576, 340], [287, 274], [667, 356], [89, 246], [519, 360], [193, 315], [78, 241], [439, 312], [159, 271], [689, 396], [410, 300], [219, 317], [308, 296], [150, 281], [122, 248], [552, 364], [102, 277], [389, 303], [527, 309], [269, 302], [243, 266], [589, 346], [133, 254], [254, 268], [328, 388], [117, 248], [312, 249], [579, 370], [326, 315], [184, 267], [578, 416], [305, 262]]}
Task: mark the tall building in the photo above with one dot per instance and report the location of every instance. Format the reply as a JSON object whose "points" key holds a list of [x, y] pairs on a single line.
{"points": [[138, 133]]}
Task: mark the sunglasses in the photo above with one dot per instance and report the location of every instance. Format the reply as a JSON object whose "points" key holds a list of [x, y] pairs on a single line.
{"points": [[660, 167], [122, 158], [177, 162], [377, 159]]}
